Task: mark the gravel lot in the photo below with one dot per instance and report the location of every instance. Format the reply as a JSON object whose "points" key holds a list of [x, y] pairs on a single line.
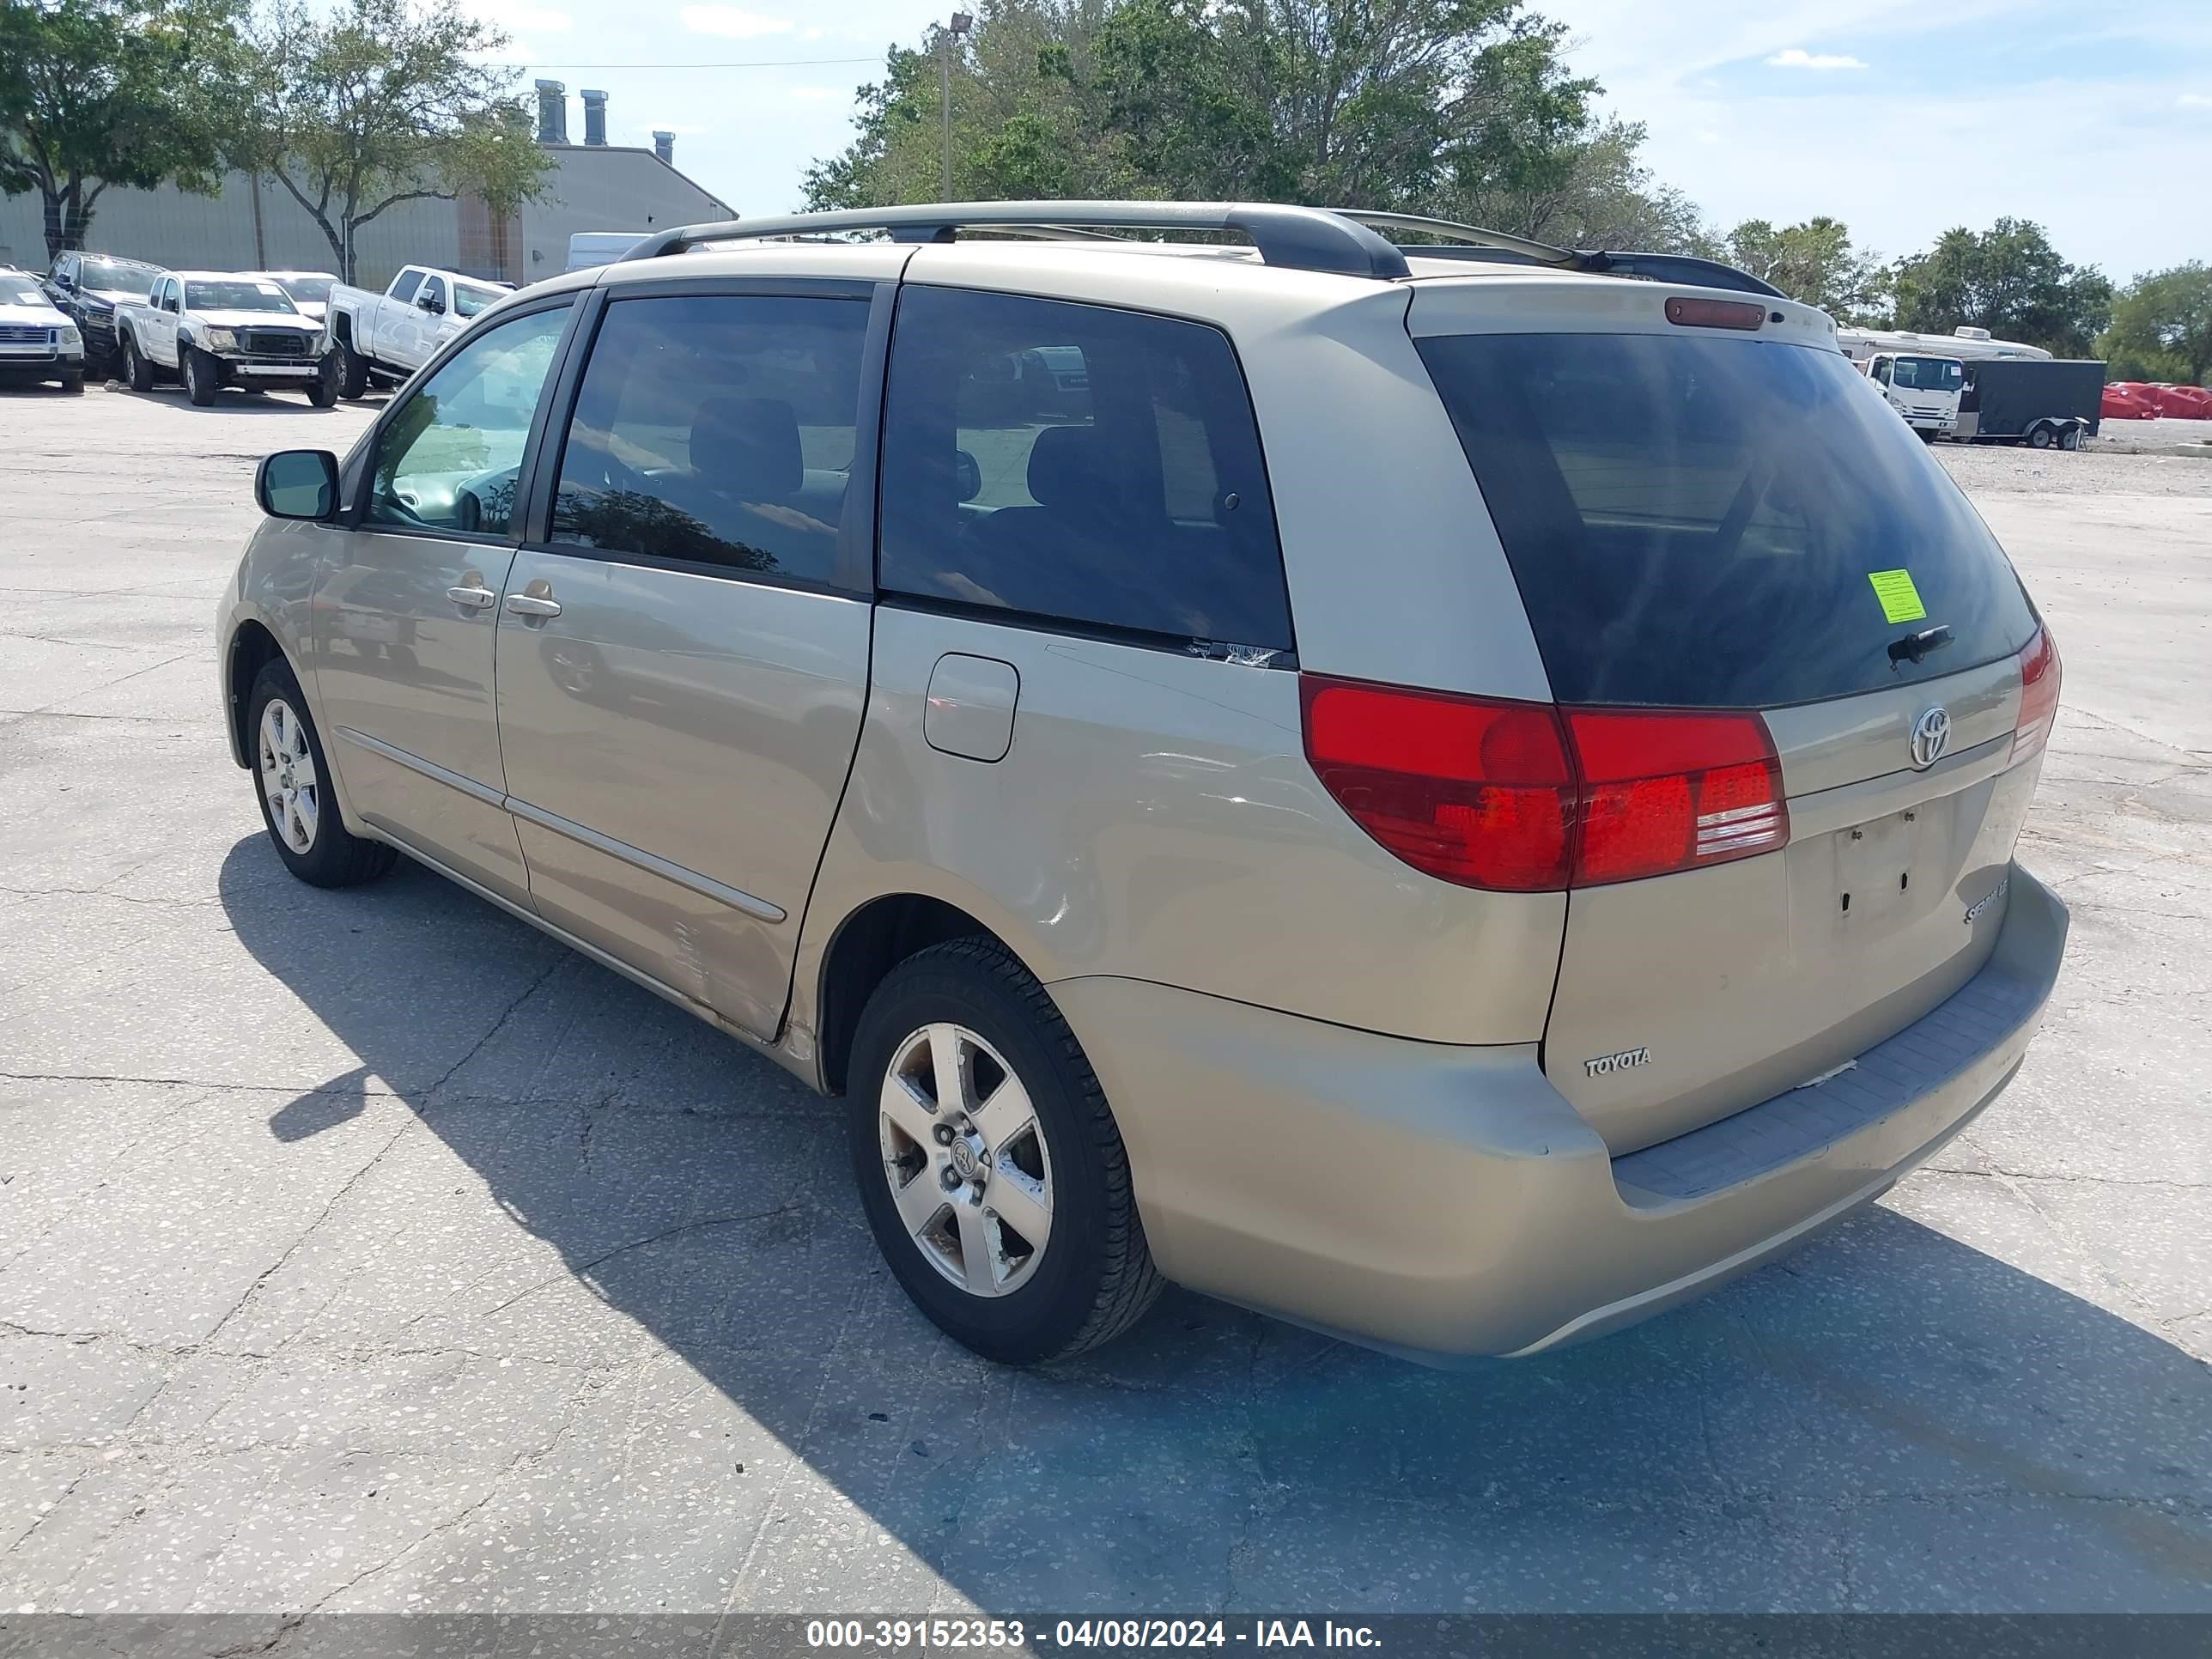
{"points": [[366, 1251]]}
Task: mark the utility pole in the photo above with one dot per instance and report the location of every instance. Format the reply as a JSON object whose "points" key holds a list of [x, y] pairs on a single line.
{"points": [[960, 24]]}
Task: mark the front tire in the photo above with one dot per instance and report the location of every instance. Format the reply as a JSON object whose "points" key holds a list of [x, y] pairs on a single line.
{"points": [[2040, 439], [289, 771], [352, 373], [73, 384], [202, 377], [323, 393], [138, 372], [989, 1164]]}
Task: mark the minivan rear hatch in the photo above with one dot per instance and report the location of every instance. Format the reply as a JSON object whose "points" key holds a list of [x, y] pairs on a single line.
{"points": [[1708, 511]]}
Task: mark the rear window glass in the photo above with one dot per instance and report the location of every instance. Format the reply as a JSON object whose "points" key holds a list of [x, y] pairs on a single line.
{"points": [[1693, 522]]}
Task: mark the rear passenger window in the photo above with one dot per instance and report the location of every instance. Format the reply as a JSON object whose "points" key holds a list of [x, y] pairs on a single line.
{"points": [[1078, 463], [716, 429], [403, 286]]}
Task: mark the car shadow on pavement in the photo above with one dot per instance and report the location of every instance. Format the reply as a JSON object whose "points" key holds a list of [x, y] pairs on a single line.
{"points": [[1890, 1419]]}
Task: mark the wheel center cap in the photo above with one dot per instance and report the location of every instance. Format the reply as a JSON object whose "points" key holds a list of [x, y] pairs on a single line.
{"points": [[963, 1159]]}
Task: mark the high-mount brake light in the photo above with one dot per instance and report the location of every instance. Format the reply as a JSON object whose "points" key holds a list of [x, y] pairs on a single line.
{"points": [[2040, 672], [1713, 314], [1525, 797]]}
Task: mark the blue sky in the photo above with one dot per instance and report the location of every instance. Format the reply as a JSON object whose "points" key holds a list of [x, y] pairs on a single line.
{"points": [[1901, 117]]}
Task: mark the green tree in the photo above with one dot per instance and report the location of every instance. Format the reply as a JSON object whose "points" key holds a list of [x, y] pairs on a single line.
{"points": [[2009, 280], [95, 93], [380, 102], [2162, 327], [1458, 108], [1813, 262]]}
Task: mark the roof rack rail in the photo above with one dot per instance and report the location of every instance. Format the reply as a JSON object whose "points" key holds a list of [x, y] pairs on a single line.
{"points": [[1297, 238], [1498, 246]]}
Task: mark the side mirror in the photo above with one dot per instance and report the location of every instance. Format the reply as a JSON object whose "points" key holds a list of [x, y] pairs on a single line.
{"points": [[430, 303], [970, 475], [299, 483]]}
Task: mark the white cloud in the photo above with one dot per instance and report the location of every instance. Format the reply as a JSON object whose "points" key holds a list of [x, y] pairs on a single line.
{"points": [[1798, 57], [816, 95], [2193, 100], [732, 23]]}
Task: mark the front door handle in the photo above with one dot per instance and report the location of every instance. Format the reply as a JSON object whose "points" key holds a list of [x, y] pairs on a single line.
{"points": [[529, 604], [475, 598]]}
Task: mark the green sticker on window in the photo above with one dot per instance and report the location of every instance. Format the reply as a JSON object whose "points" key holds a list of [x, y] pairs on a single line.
{"points": [[1900, 599]]}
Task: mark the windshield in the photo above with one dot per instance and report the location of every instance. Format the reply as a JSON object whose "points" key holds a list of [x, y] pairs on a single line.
{"points": [[1930, 373], [119, 275], [313, 289], [1704, 523], [19, 291], [468, 301], [244, 296]]}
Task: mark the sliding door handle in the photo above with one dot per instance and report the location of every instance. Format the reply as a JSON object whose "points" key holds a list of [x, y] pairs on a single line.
{"points": [[475, 598], [529, 604]]}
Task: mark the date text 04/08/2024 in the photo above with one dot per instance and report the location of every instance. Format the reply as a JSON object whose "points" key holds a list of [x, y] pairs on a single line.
{"points": [[895, 1634]]}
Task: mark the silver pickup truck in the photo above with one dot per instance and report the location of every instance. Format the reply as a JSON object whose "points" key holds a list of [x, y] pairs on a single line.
{"points": [[211, 329], [385, 337]]}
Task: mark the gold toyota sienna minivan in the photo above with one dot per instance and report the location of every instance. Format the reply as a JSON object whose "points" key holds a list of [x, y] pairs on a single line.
{"points": [[1456, 794]]}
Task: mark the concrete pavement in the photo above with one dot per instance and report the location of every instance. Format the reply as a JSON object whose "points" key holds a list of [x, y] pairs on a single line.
{"points": [[367, 1251]]}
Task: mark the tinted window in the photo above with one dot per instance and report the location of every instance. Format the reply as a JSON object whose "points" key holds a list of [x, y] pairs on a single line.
{"points": [[433, 293], [716, 429], [404, 284], [449, 457], [1080, 463], [1694, 521]]}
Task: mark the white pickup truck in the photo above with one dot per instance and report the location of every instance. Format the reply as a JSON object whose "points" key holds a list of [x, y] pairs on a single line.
{"points": [[387, 337], [211, 329]]}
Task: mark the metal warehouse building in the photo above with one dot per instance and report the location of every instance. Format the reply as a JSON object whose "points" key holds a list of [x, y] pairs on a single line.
{"points": [[254, 224]]}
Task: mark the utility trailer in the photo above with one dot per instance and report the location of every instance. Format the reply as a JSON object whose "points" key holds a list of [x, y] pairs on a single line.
{"points": [[2050, 403]]}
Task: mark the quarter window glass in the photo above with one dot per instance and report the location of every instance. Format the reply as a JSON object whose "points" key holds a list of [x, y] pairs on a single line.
{"points": [[405, 285], [450, 457], [716, 429], [1078, 463]]}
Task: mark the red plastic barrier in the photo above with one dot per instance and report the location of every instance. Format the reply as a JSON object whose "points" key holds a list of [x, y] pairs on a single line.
{"points": [[2181, 403]]}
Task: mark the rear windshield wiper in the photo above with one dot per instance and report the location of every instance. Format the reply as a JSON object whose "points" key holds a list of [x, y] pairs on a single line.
{"points": [[1913, 646]]}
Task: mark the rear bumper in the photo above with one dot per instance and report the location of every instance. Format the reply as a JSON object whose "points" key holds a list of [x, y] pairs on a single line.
{"points": [[1446, 1203]]}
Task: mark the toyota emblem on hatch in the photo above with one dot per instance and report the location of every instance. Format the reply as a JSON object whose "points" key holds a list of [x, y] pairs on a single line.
{"points": [[1931, 736]]}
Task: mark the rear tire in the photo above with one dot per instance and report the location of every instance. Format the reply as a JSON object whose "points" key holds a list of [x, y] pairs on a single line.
{"points": [[1058, 1264], [202, 377], [2070, 438], [353, 372], [290, 779], [138, 372]]}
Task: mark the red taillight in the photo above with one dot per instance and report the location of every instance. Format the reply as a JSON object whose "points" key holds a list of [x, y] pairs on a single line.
{"points": [[1522, 797], [1472, 790], [2040, 674], [1669, 789]]}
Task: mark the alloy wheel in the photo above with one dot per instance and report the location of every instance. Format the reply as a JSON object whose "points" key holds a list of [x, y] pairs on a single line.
{"points": [[287, 776], [969, 1174]]}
